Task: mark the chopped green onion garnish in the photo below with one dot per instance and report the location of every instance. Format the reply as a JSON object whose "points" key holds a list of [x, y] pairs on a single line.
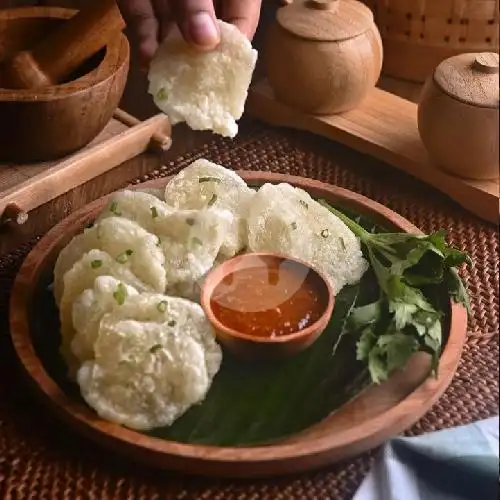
{"points": [[155, 348], [172, 322], [190, 221], [123, 257], [325, 233], [96, 264], [154, 212], [162, 306], [212, 200], [196, 241], [208, 179], [120, 294], [162, 94], [114, 208]]}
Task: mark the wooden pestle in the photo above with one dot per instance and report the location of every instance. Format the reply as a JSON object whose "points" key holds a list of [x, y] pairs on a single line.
{"points": [[58, 55]]}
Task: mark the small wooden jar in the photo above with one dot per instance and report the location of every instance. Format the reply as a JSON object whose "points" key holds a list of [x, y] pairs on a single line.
{"points": [[458, 115], [323, 56]]}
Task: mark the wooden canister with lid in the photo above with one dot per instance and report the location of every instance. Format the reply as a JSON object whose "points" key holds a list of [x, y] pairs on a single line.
{"points": [[323, 56], [458, 115]]}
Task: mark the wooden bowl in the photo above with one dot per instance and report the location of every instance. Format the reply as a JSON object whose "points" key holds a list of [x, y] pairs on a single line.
{"points": [[323, 56], [52, 122], [258, 347], [377, 414]]}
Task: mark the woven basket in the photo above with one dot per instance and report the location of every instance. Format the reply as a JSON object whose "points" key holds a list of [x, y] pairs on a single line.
{"points": [[419, 34]]}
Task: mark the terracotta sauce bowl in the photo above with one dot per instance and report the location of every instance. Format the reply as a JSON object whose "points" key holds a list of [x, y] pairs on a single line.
{"points": [[246, 295]]}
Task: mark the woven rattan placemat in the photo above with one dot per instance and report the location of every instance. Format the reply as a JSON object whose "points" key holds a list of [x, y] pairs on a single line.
{"points": [[40, 459]]}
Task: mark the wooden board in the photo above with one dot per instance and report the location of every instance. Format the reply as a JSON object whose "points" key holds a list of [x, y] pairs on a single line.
{"points": [[26, 187], [385, 127], [377, 414]]}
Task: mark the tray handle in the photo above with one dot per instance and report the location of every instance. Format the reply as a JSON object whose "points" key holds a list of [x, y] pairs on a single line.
{"points": [[159, 142]]}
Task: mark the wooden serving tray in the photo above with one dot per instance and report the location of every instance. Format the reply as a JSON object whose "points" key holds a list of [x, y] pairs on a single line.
{"points": [[26, 187], [385, 127], [375, 415]]}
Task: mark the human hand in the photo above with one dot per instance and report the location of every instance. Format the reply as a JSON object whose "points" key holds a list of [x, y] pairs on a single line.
{"points": [[151, 20]]}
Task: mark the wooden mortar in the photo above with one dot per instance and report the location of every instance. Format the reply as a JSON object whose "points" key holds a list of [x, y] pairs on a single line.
{"points": [[50, 121], [458, 115], [323, 56]]}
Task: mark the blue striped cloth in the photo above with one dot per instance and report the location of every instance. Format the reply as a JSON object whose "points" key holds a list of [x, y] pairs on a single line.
{"points": [[452, 464]]}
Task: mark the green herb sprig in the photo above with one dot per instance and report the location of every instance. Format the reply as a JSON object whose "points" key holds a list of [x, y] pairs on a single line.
{"points": [[403, 320]]}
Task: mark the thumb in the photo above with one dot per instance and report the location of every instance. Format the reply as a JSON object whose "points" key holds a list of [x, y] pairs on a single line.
{"points": [[197, 23]]}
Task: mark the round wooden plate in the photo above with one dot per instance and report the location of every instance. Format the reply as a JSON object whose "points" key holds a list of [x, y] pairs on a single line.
{"points": [[377, 414]]}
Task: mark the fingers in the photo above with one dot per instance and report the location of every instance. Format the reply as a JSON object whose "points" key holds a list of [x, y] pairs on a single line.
{"points": [[197, 22], [149, 21], [164, 14], [244, 14], [141, 18]]}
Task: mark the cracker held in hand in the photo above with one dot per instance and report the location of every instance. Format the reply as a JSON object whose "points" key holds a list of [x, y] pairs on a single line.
{"points": [[207, 90]]}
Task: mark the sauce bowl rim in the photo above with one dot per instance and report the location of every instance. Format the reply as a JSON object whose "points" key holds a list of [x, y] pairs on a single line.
{"points": [[209, 286]]}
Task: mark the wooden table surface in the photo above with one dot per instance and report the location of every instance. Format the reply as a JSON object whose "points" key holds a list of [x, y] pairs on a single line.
{"points": [[137, 102]]}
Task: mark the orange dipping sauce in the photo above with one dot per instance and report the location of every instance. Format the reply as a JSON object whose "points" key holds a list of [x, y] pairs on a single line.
{"points": [[270, 297]]}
